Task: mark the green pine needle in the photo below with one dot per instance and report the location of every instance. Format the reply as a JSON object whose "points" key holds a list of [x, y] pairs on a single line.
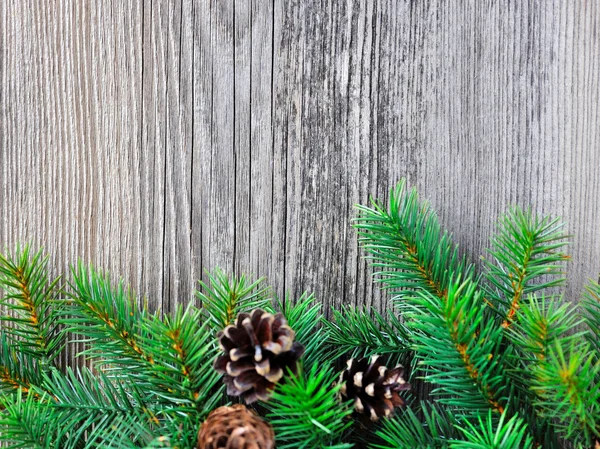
{"points": [[224, 298], [18, 369], [490, 433], [567, 391], [107, 320], [407, 430], [26, 422], [407, 247], [182, 349], [304, 317], [356, 333], [459, 352], [526, 258], [29, 296], [591, 305], [305, 411]]}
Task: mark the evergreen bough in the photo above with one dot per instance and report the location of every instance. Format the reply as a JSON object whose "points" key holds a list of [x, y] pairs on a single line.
{"points": [[510, 363]]}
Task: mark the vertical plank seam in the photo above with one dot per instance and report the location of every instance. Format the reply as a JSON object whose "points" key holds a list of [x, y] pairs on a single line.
{"points": [[235, 183], [165, 285], [249, 248], [191, 223], [273, 140]]}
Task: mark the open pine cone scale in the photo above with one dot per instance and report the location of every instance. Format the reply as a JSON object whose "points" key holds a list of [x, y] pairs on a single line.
{"points": [[235, 427], [374, 388], [258, 349]]}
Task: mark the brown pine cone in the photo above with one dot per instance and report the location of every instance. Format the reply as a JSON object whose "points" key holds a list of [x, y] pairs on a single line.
{"points": [[259, 349], [235, 427], [374, 388]]}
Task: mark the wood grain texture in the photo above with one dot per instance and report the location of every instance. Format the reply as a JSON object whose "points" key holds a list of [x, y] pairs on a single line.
{"points": [[159, 139]]}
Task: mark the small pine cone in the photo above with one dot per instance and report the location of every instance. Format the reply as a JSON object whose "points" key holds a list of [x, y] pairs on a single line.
{"points": [[259, 348], [235, 427], [374, 388]]}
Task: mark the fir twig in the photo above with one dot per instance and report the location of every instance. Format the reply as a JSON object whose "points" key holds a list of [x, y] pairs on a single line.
{"points": [[29, 296], [354, 333], [18, 370], [224, 298], [304, 317], [408, 430], [459, 352], [487, 434], [407, 247], [182, 351], [171, 357], [107, 319], [524, 249], [305, 412], [26, 422], [565, 383]]}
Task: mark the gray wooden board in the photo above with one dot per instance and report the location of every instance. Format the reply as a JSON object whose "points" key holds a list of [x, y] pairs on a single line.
{"points": [[160, 139]]}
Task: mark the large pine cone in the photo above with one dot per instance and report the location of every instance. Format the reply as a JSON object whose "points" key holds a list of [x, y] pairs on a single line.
{"points": [[374, 388], [259, 349], [235, 427]]}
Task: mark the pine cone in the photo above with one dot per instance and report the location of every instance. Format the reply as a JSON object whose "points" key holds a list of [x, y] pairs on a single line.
{"points": [[235, 427], [259, 349], [374, 388]]}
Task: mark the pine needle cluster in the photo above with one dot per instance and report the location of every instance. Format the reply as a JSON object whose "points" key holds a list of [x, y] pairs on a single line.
{"points": [[511, 364]]}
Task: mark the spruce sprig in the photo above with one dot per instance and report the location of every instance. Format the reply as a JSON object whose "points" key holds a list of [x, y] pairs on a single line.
{"points": [[567, 391], [29, 297], [488, 433], [27, 422], [407, 247], [18, 369], [591, 305], [305, 411], [305, 317], [224, 298], [428, 425], [171, 356], [88, 408], [107, 320], [526, 258], [459, 351], [182, 350], [357, 333], [435, 291]]}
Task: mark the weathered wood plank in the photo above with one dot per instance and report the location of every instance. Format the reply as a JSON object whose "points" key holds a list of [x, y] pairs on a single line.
{"points": [[160, 139]]}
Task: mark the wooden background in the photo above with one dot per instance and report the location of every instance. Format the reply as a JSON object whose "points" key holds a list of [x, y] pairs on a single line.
{"points": [[158, 139]]}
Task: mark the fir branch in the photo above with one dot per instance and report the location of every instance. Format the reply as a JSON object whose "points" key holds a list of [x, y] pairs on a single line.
{"points": [[305, 412], [182, 350], [409, 431], [524, 250], [25, 422], [86, 409], [18, 369], [543, 322], [408, 247], [304, 317], [107, 319], [224, 298], [458, 350], [29, 296], [355, 333], [171, 357], [421, 266], [489, 434], [591, 304], [565, 383]]}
